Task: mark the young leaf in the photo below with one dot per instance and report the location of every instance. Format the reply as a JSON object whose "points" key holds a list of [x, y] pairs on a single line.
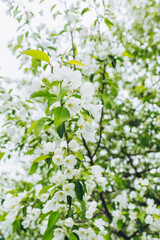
{"points": [[43, 157], [61, 114], [85, 10], [1, 155], [39, 125], [44, 189], [42, 93], [63, 91], [53, 219], [32, 126], [79, 190], [79, 156], [126, 54], [61, 64], [76, 63], [73, 236], [37, 54], [108, 23], [83, 207], [119, 224], [33, 168], [51, 101], [86, 116], [60, 130]]}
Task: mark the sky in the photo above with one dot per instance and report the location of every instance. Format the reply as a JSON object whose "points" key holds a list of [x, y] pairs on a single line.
{"points": [[9, 65]]}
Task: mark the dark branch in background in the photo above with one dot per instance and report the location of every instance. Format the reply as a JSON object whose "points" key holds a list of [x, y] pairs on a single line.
{"points": [[88, 150], [100, 134], [131, 162], [108, 214], [138, 231], [73, 46], [2, 236], [102, 112], [67, 140]]}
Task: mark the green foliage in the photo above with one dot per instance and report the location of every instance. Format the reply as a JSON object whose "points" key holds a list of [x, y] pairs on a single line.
{"points": [[45, 189], [53, 219], [39, 125], [33, 168], [108, 23], [61, 114], [1, 155], [43, 157], [42, 93], [40, 55], [79, 190], [76, 63], [85, 10], [73, 236]]}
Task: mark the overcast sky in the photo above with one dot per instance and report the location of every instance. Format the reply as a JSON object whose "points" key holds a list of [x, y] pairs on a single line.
{"points": [[8, 63]]}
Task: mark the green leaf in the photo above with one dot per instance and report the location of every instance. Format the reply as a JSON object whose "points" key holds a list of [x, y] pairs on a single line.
{"points": [[1, 155], [32, 126], [86, 116], [141, 216], [86, 175], [79, 190], [70, 212], [20, 39], [53, 7], [119, 224], [63, 91], [37, 54], [126, 54], [69, 200], [61, 114], [76, 63], [51, 101], [108, 23], [44, 189], [53, 191], [42, 93], [63, 57], [43, 157], [53, 219], [140, 88], [79, 156], [54, 83], [16, 226], [39, 125], [92, 77], [83, 207], [107, 237], [60, 130], [85, 10], [33, 168], [73, 236], [43, 216]]}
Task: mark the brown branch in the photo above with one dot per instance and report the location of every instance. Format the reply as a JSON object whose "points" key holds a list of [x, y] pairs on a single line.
{"points": [[88, 150], [100, 135], [135, 233], [108, 214], [135, 169], [102, 112], [66, 136]]}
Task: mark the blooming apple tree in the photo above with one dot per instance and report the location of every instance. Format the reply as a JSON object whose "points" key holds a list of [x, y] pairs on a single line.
{"points": [[82, 128]]}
